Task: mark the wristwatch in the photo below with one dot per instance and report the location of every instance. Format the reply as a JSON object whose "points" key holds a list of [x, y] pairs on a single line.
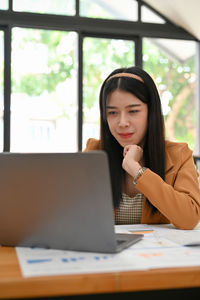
{"points": [[139, 174]]}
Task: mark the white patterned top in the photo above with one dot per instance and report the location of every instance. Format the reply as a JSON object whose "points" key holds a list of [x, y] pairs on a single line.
{"points": [[129, 210]]}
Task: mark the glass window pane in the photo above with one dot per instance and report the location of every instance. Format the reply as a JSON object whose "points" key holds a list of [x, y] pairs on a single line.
{"points": [[1, 87], [100, 58], [112, 9], [171, 64], [147, 15], [57, 7], [44, 91], [4, 4]]}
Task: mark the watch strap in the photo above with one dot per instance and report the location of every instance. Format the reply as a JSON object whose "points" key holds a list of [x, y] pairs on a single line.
{"points": [[139, 174]]}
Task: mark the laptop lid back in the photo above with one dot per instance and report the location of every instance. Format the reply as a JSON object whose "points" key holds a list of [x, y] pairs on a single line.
{"points": [[56, 200]]}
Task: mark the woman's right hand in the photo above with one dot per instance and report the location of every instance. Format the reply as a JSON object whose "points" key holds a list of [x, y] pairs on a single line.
{"points": [[133, 155]]}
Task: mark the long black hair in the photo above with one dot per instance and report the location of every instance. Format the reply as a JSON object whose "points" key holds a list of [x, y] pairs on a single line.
{"points": [[154, 146]]}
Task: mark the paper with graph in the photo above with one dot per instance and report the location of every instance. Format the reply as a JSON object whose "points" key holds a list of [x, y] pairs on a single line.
{"points": [[161, 247]]}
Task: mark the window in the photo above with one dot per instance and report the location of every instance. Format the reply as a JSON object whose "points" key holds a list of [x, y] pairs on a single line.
{"points": [[112, 9], [44, 90], [4, 4], [171, 64], [101, 57], [59, 7], [147, 15], [59, 53]]}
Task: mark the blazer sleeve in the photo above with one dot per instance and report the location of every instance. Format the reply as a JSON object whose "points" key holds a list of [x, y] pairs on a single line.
{"points": [[178, 197]]}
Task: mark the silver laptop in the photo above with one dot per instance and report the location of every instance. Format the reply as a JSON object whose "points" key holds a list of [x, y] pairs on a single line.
{"points": [[59, 201]]}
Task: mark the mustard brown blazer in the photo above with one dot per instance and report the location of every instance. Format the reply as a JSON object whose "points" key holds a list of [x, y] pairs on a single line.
{"points": [[177, 199]]}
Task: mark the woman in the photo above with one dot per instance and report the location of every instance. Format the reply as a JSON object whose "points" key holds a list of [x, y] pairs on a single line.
{"points": [[153, 180]]}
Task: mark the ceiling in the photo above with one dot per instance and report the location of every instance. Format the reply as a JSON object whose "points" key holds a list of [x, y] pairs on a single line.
{"points": [[184, 13]]}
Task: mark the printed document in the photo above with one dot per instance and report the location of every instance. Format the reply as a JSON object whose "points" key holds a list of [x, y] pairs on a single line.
{"points": [[161, 247]]}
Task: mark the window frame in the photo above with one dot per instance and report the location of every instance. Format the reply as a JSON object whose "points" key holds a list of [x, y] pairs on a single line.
{"points": [[101, 28]]}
